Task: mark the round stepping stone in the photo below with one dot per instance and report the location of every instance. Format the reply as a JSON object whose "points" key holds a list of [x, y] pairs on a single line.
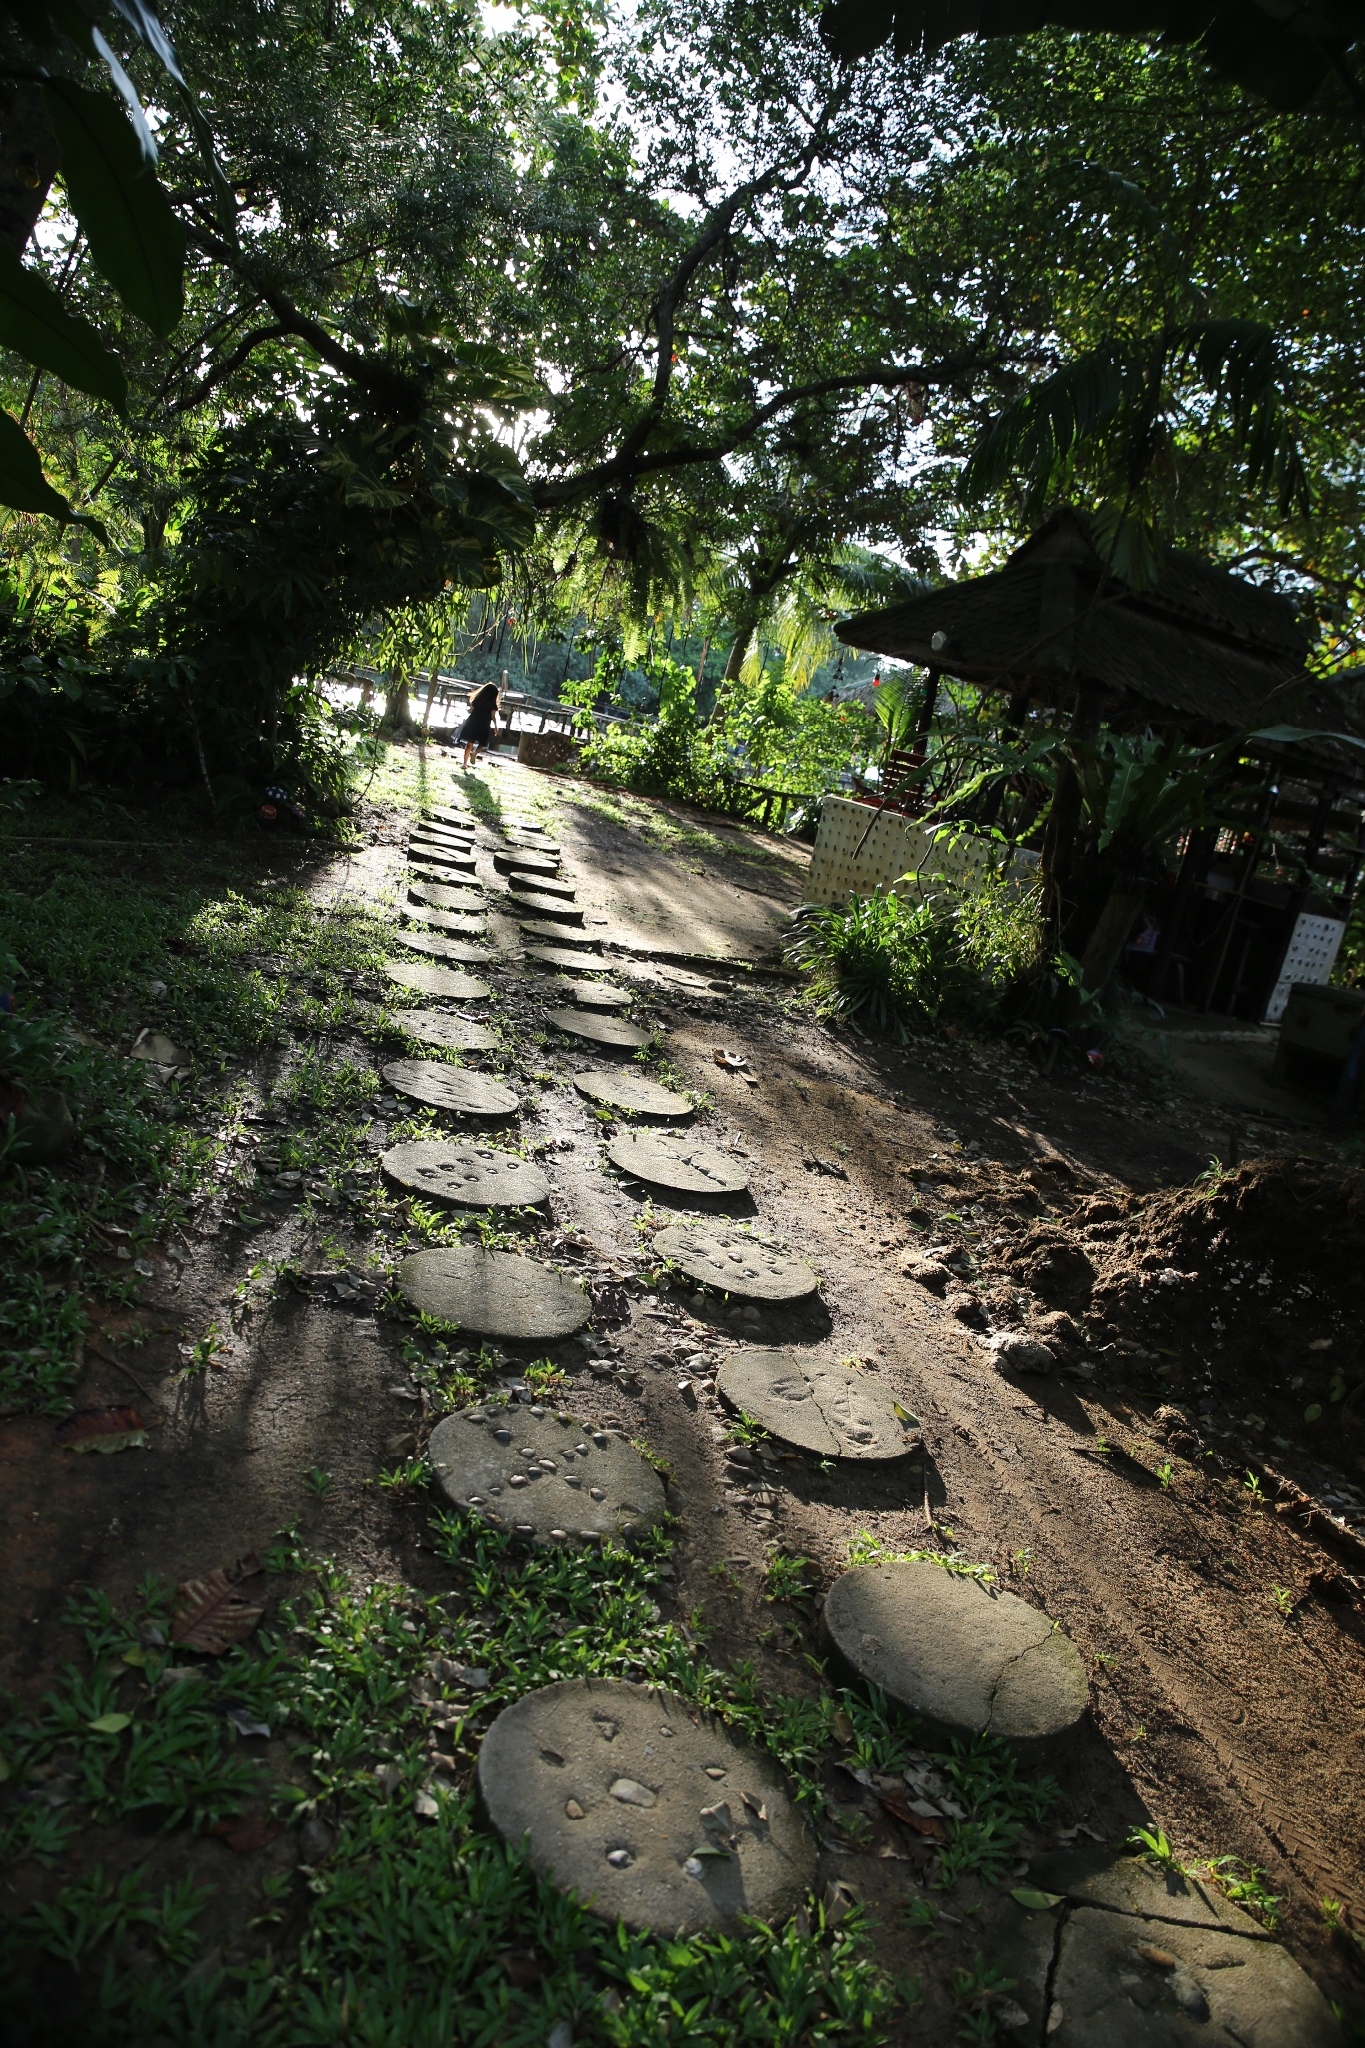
{"points": [[457, 1088], [440, 1027], [597, 995], [737, 1262], [537, 884], [967, 1657], [442, 948], [817, 1406], [1147, 1958], [560, 937], [495, 1294], [465, 927], [545, 1475], [654, 1814], [438, 981], [441, 857], [598, 1030], [528, 842], [447, 835], [450, 814], [446, 896], [618, 1088], [543, 907], [479, 1176], [683, 1164], [514, 863]]}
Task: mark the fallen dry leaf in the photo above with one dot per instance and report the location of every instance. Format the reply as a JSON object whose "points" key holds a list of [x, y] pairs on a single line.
{"points": [[923, 1824], [102, 1429], [735, 1061], [213, 1613]]}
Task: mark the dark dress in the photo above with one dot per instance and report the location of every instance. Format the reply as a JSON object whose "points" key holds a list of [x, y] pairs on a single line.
{"points": [[479, 724]]}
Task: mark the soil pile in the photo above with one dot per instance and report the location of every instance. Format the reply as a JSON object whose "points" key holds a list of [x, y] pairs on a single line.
{"points": [[1262, 1268]]}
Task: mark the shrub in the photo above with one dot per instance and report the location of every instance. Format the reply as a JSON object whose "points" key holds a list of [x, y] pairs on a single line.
{"points": [[897, 966]]}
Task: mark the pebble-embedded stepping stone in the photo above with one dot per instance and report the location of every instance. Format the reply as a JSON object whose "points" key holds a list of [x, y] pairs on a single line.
{"points": [[967, 1657], [596, 995], [495, 1294], [545, 1474], [463, 927], [561, 936], [683, 1164], [598, 1030], [546, 907], [479, 1176], [618, 1088], [516, 862], [438, 981], [440, 947], [538, 884], [446, 896], [1146, 1958], [653, 1813], [737, 1262], [456, 1088], [817, 1406], [441, 1027]]}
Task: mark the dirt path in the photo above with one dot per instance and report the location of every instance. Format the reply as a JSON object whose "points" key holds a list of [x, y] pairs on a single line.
{"points": [[1234, 1727]]}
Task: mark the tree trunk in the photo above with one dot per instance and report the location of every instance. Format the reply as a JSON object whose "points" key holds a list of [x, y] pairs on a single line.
{"points": [[1059, 839], [1104, 948], [397, 719], [746, 622]]}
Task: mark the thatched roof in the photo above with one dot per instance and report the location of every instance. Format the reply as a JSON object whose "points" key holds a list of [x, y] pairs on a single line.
{"points": [[1204, 648]]}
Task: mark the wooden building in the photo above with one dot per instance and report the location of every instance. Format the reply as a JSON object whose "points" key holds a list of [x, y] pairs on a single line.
{"points": [[1261, 899]]}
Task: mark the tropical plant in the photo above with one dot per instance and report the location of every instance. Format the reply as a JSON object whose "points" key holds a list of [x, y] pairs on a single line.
{"points": [[891, 965]]}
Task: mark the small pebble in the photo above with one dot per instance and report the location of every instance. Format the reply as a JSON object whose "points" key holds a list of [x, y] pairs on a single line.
{"points": [[572, 1810], [620, 1859]]}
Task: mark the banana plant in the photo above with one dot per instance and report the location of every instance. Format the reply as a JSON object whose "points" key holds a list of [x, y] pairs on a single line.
{"points": [[96, 140]]}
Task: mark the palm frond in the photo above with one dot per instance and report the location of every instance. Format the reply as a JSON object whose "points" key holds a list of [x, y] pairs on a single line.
{"points": [[1038, 433]]}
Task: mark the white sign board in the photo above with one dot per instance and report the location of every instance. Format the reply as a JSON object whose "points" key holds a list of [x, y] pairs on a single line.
{"points": [[1310, 956]]}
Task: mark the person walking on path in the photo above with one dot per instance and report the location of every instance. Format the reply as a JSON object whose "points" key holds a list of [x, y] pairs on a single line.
{"points": [[481, 723]]}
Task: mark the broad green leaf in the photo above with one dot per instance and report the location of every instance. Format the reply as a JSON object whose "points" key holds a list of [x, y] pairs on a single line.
{"points": [[111, 1724], [22, 483], [6, 1770], [1035, 1901], [135, 238], [37, 326]]}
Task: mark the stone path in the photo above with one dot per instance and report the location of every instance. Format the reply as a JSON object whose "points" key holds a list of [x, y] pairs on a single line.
{"points": [[653, 1813]]}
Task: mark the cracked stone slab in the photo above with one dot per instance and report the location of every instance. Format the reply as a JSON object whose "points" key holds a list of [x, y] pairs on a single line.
{"points": [[817, 1406], [618, 1088], [439, 1027], [446, 896], [655, 1814], [543, 1474], [438, 981], [737, 1262], [682, 1163], [442, 947], [1140, 1957], [478, 1176], [595, 995], [543, 908], [495, 1294], [560, 939], [457, 1088], [598, 1030], [967, 1657]]}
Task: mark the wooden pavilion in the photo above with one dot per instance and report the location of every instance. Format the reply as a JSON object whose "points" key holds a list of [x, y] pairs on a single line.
{"points": [[1259, 900]]}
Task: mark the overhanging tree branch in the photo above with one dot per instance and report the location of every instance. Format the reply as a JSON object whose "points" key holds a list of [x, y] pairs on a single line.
{"points": [[632, 461]]}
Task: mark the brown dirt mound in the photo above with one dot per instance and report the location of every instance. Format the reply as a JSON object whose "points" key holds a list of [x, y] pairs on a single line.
{"points": [[1261, 1269]]}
